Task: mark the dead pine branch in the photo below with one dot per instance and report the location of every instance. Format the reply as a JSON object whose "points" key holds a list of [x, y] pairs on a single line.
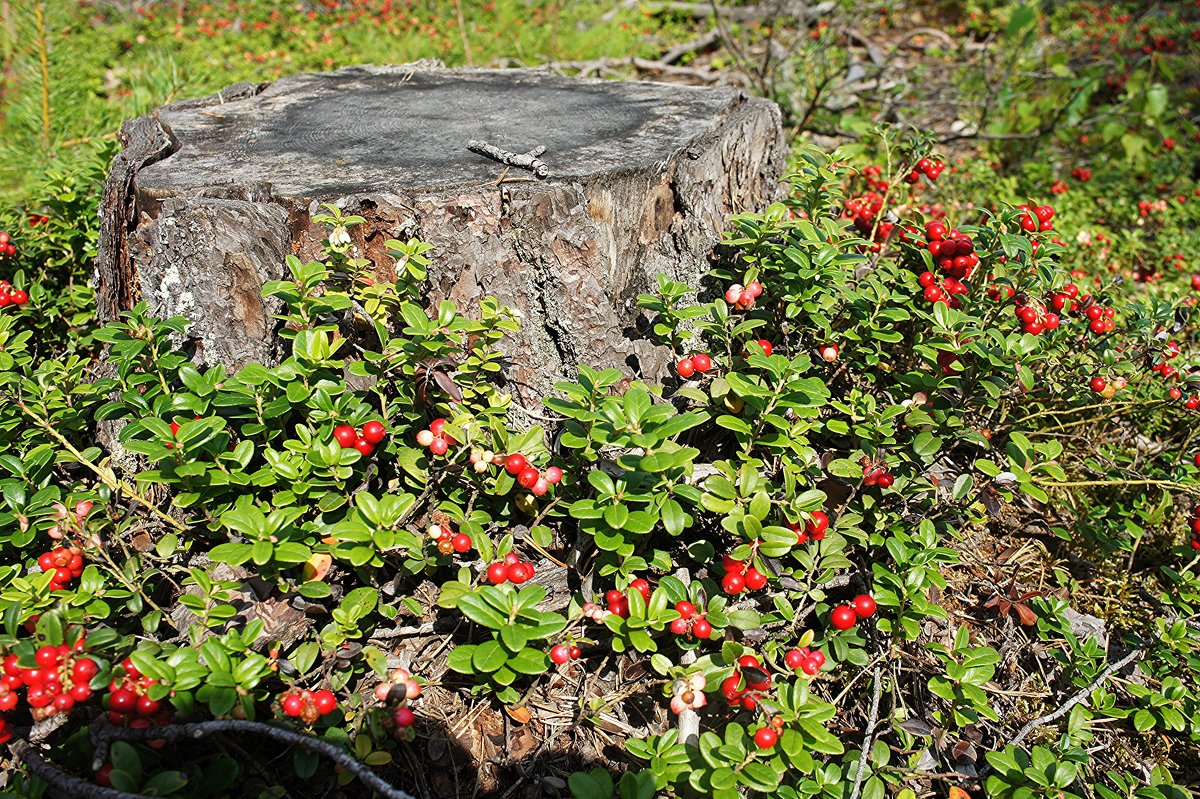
{"points": [[103, 735], [1065, 708]]}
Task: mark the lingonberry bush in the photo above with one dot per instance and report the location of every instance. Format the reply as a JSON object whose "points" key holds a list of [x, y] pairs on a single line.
{"points": [[806, 531]]}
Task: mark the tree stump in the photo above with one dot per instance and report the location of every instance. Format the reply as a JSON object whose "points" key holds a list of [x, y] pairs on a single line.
{"points": [[208, 197]]}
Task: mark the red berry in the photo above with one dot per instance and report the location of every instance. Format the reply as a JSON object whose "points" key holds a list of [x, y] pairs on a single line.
{"points": [[374, 432], [793, 658], [1099, 384], [642, 587], [613, 596], [686, 368], [439, 446], [701, 362], [519, 573], [404, 717], [497, 573], [576, 652], [864, 605], [679, 626], [685, 609], [528, 477], [560, 654], [843, 617], [552, 474], [461, 542], [365, 447], [345, 435], [755, 579], [733, 566], [147, 706], [19, 298], [701, 628], [46, 656], [324, 701], [748, 662], [122, 700], [766, 346], [514, 464], [810, 665], [765, 738], [733, 583], [886, 479]]}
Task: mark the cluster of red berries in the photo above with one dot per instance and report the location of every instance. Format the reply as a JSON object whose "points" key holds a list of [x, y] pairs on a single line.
{"points": [[952, 251], [862, 210], [510, 570], [618, 602], [528, 476], [398, 691], [874, 176], [740, 576], [877, 475], [690, 621], [7, 249], [1108, 389], [806, 660], [745, 686], [843, 617], [1035, 318], [11, 296], [945, 291], [812, 530], [1081, 174], [561, 653], [927, 167], [129, 703], [743, 297], [308, 706], [65, 562], [1195, 522], [697, 362], [349, 437], [447, 540], [61, 679], [1035, 219], [38, 219], [435, 438]]}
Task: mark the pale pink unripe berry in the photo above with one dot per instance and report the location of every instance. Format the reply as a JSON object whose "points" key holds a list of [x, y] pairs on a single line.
{"points": [[480, 467], [829, 353], [434, 531], [82, 508], [412, 689], [678, 705], [754, 288], [399, 675], [733, 293], [540, 487], [425, 438], [382, 690]]}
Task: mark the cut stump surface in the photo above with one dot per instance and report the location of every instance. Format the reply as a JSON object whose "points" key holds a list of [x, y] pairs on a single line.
{"points": [[208, 197]]}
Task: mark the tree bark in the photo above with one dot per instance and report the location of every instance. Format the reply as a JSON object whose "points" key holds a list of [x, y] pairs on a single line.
{"points": [[209, 196]]}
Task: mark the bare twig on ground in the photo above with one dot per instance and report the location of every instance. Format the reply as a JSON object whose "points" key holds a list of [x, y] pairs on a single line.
{"points": [[872, 720]]}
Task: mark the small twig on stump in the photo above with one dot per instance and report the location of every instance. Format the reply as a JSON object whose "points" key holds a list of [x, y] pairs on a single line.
{"points": [[527, 160], [104, 734], [871, 722]]}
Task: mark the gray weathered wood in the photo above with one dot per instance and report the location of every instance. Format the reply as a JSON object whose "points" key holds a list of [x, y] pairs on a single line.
{"points": [[208, 197]]}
